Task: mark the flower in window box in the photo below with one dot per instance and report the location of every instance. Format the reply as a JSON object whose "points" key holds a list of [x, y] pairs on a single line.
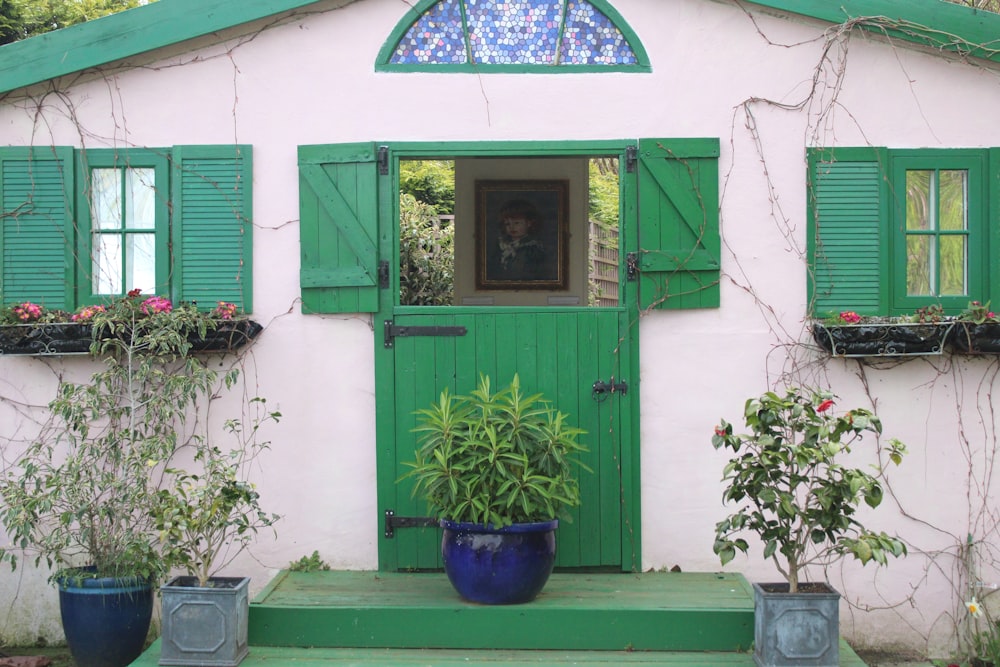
{"points": [[977, 330], [849, 334]]}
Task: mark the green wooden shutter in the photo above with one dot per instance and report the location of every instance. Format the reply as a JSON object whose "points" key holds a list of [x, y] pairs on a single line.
{"points": [[212, 230], [679, 246], [338, 218], [848, 246], [36, 226]]}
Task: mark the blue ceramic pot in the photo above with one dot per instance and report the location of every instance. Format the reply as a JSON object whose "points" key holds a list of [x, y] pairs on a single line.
{"points": [[503, 566], [106, 620]]}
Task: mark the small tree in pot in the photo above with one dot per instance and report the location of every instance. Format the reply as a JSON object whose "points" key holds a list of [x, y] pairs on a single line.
{"points": [[497, 463], [799, 499], [205, 518]]}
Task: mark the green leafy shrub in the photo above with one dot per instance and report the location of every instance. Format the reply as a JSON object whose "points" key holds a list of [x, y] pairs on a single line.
{"points": [[496, 458]]}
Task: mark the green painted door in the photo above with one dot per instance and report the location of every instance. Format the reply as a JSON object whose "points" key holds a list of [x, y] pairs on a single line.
{"points": [[558, 351], [668, 257]]}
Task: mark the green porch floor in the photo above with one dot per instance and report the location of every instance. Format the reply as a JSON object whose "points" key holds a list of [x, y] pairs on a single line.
{"points": [[385, 618]]}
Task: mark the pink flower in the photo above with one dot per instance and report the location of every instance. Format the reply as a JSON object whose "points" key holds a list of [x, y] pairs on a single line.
{"points": [[719, 431], [87, 313], [825, 405], [27, 311], [991, 315], [156, 304], [225, 310], [850, 317]]}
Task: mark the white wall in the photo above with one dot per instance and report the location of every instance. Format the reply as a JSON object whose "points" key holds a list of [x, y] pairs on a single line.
{"points": [[766, 86]]}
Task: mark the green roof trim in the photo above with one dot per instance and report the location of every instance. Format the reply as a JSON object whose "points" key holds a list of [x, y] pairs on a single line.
{"points": [[934, 23], [126, 34], [955, 28]]}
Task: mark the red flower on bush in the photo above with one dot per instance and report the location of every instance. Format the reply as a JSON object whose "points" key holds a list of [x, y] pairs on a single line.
{"points": [[850, 317], [825, 405]]}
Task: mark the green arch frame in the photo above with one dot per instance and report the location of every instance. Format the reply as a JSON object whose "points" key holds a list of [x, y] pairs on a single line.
{"points": [[383, 64]]}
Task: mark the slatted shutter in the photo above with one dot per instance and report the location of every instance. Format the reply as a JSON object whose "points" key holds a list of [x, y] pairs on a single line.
{"points": [[36, 226], [679, 244], [212, 228], [338, 218], [847, 237]]}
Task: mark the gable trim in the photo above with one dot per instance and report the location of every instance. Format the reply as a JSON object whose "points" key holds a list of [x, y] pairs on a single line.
{"points": [[127, 34], [101, 41]]}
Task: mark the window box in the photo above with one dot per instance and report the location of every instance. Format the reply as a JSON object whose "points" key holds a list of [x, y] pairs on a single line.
{"points": [[882, 339], [972, 338], [59, 338]]}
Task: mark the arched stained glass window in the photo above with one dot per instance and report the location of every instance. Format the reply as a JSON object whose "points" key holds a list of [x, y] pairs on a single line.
{"points": [[513, 35]]}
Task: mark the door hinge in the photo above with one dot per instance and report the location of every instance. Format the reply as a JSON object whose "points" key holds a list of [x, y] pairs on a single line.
{"points": [[383, 160], [383, 274], [631, 157], [631, 266], [392, 522], [391, 331]]}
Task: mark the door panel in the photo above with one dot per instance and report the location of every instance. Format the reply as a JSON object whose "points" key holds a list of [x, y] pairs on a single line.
{"points": [[558, 352]]}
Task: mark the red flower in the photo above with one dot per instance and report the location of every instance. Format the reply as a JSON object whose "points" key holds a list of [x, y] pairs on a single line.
{"points": [[134, 292], [825, 405], [719, 431]]}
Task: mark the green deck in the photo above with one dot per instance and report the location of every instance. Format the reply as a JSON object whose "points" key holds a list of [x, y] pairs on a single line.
{"points": [[384, 618]]}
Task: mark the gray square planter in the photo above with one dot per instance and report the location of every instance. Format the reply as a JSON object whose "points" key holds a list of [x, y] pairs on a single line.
{"points": [[205, 626], [796, 629]]}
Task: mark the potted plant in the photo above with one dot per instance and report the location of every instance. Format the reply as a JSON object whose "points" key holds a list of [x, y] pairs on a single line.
{"points": [[80, 497], [29, 329], [800, 500], [501, 465], [205, 518], [848, 334]]}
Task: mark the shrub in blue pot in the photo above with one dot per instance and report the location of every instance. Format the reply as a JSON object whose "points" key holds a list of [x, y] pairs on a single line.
{"points": [[497, 468]]}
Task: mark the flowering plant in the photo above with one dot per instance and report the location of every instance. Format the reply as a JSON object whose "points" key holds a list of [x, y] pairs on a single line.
{"points": [[977, 313], [985, 643], [792, 490], [27, 312]]}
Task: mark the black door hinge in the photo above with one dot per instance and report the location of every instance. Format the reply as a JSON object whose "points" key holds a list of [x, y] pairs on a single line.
{"points": [[631, 266], [392, 522], [383, 274], [631, 157], [383, 160]]}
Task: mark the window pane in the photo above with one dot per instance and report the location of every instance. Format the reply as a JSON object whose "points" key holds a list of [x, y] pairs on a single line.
{"points": [[140, 200], [107, 264], [919, 265], [954, 199], [919, 202], [106, 198], [954, 260], [140, 263]]}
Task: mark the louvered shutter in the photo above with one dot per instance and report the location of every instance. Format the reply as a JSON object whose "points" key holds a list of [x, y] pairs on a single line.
{"points": [[679, 245], [846, 235], [212, 229], [36, 226], [338, 219]]}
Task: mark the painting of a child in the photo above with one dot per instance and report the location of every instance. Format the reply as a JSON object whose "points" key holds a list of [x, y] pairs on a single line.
{"points": [[521, 235]]}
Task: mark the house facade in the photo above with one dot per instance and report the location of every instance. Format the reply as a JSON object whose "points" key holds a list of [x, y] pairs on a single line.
{"points": [[770, 157]]}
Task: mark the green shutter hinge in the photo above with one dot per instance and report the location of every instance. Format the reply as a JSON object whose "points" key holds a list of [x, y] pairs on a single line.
{"points": [[631, 157], [632, 266], [383, 160]]}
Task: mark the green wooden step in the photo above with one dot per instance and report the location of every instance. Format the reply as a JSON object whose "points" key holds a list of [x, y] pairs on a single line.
{"points": [[584, 612], [271, 656]]}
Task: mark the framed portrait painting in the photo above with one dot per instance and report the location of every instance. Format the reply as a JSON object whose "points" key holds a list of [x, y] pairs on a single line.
{"points": [[522, 235]]}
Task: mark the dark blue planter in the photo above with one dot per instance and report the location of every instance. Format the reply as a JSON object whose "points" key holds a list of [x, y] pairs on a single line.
{"points": [[505, 566], [105, 620]]}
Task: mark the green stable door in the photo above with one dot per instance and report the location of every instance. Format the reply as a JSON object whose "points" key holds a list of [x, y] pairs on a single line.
{"points": [[583, 358]]}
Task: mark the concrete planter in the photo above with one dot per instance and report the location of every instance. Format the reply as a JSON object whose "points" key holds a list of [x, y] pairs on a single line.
{"points": [[205, 626], [796, 629]]}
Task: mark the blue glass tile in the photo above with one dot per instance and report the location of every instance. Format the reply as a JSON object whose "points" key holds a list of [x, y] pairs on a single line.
{"points": [[435, 38], [590, 38], [504, 32]]}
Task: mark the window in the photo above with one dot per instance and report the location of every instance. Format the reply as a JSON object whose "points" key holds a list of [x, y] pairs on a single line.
{"points": [[893, 230], [79, 226], [514, 35]]}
